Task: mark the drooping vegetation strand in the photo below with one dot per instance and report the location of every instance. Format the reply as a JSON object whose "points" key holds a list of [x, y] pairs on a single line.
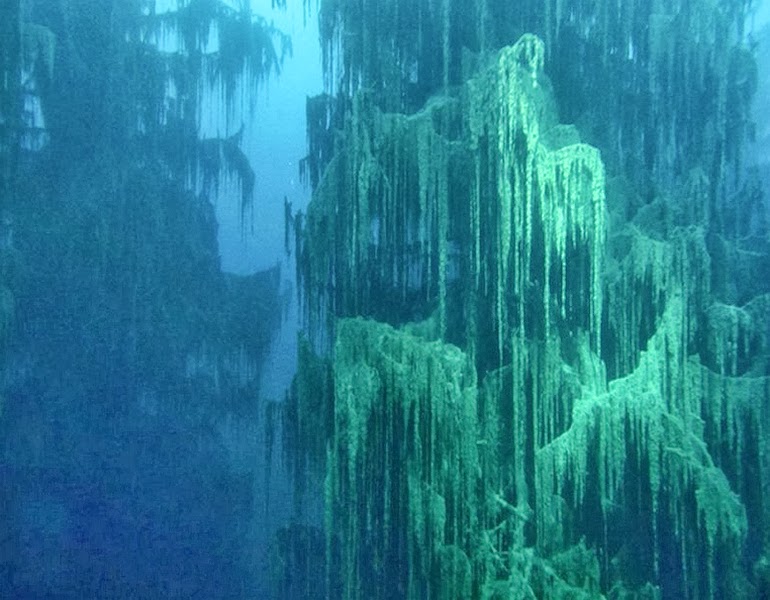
{"points": [[595, 274]]}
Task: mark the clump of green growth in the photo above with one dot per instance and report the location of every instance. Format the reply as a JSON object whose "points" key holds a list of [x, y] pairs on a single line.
{"points": [[459, 209], [643, 443], [402, 464], [414, 202], [622, 385]]}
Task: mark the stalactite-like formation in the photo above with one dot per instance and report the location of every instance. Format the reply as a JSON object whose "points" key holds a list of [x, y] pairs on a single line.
{"points": [[601, 290]]}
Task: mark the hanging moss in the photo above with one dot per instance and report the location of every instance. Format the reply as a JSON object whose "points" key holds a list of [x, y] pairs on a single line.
{"points": [[399, 51], [399, 242], [10, 99], [307, 419], [637, 421], [377, 207], [664, 248], [295, 557], [622, 366], [125, 105], [732, 339], [6, 313], [321, 116], [38, 44], [675, 77], [204, 49], [402, 463], [219, 156]]}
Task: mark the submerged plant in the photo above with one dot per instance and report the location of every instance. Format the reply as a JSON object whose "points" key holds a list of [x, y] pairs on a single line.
{"points": [[618, 393]]}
